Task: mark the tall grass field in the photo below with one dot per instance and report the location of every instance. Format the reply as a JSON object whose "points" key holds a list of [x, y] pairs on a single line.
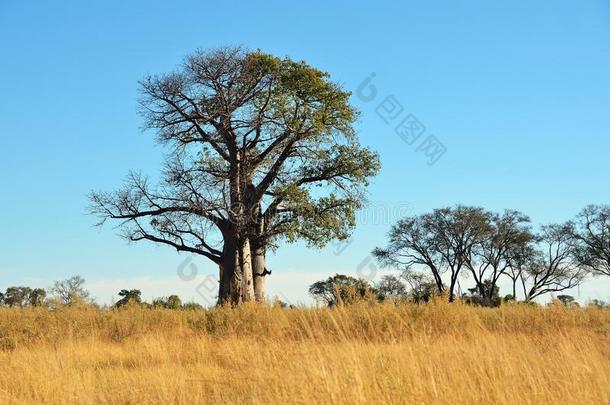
{"points": [[436, 353]]}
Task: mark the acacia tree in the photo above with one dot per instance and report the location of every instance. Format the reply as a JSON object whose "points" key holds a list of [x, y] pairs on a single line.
{"points": [[520, 257], [262, 148], [490, 258], [554, 267], [412, 243], [129, 297], [459, 231], [341, 289], [442, 241], [592, 237]]}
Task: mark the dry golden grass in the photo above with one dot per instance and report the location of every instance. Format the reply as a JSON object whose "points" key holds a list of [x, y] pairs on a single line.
{"points": [[436, 353]]}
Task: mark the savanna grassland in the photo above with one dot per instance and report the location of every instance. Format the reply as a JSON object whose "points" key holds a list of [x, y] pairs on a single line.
{"points": [[364, 353]]}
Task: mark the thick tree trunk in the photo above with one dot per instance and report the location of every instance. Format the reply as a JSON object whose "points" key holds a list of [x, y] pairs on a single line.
{"points": [[260, 272], [236, 278], [228, 269]]}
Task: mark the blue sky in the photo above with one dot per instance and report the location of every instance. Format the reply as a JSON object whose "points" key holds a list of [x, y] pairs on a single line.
{"points": [[517, 92]]}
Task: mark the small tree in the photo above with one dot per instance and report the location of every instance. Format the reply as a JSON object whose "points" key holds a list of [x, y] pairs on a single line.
{"points": [[192, 306], [598, 303], [37, 297], [491, 297], [341, 289], [566, 300], [70, 291], [129, 297], [422, 286], [17, 296], [173, 302], [391, 287]]}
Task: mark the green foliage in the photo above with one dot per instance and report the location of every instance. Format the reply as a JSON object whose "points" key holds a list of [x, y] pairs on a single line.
{"points": [[341, 289], [17, 296], [391, 288], [37, 297], [599, 303], [23, 297], [566, 300], [171, 302], [129, 297], [486, 294], [192, 306], [422, 286], [508, 298]]}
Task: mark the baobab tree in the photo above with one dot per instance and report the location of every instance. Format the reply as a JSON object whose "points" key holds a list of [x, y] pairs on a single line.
{"points": [[261, 148]]}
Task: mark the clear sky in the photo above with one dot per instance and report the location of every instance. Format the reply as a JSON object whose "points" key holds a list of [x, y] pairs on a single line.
{"points": [[517, 92]]}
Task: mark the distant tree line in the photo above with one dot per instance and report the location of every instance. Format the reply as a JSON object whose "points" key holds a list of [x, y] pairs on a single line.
{"points": [[133, 298], [64, 292], [71, 292], [433, 251]]}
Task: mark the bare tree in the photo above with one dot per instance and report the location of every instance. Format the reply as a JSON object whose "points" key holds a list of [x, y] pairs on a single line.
{"points": [[421, 286], [391, 287], [412, 243], [555, 267], [592, 237], [70, 291]]}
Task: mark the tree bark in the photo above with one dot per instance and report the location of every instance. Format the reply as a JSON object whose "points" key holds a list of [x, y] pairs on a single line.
{"points": [[228, 269], [236, 277], [247, 277], [260, 272], [452, 284]]}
